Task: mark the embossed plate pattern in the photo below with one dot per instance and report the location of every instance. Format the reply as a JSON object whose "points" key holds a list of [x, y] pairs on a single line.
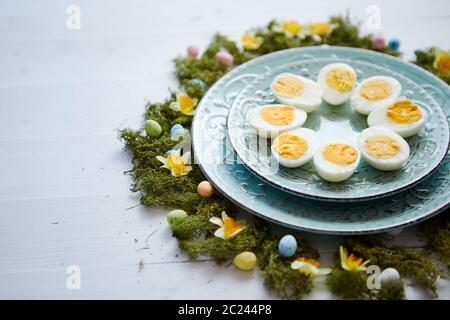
{"points": [[428, 148], [219, 163]]}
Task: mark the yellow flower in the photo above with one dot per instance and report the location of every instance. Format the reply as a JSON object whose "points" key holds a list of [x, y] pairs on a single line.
{"points": [[249, 41], [352, 262], [442, 63], [184, 104], [176, 163], [309, 267], [229, 228], [290, 28], [322, 29]]}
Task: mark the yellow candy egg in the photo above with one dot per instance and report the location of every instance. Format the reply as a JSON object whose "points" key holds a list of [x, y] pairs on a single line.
{"points": [[245, 260], [205, 189]]}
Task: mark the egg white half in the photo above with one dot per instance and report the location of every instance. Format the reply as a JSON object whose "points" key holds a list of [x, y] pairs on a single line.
{"points": [[312, 141], [385, 164], [330, 95], [267, 130], [334, 172], [364, 106], [309, 100], [379, 118]]}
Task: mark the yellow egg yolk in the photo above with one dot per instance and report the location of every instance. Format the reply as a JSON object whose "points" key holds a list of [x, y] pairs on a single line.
{"points": [[278, 115], [340, 80], [187, 104], [289, 146], [404, 112], [382, 147], [376, 90], [340, 154], [288, 87]]}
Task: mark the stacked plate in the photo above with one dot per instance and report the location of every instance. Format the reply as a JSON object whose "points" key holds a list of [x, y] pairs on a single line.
{"points": [[229, 151]]}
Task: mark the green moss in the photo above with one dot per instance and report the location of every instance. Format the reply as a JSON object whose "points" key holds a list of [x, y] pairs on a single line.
{"points": [[391, 290], [204, 243], [408, 262], [437, 236], [348, 284], [276, 270], [425, 59]]}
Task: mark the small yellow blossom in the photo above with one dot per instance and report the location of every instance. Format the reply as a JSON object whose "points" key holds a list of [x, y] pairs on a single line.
{"points": [[442, 63], [309, 267], [184, 104], [176, 163], [249, 41], [322, 29], [352, 262], [229, 228], [290, 28]]}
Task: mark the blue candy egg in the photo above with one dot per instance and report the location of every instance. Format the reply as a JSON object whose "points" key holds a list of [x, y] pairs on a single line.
{"points": [[169, 152], [199, 83], [287, 246], [176, 132], [394, 44]]}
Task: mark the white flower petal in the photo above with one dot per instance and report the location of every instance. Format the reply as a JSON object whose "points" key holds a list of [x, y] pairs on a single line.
{"points": [[217, 221], [220, 233], [162, 159], [186, 157]]}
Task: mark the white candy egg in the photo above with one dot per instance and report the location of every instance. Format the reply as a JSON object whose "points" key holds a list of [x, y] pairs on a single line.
{"points": [[297, 91], [389, 274], [404, 117], [383, 149], [337, 81], [270, 120], [295, 148], [374, 93], [337, 161]]}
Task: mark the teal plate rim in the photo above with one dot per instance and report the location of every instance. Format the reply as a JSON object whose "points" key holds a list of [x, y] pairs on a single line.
{"points": [[386, 183], [236, 183]]}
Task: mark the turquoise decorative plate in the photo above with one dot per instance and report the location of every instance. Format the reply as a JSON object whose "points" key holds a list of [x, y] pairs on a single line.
{"points": [[428, 148], [219, 163]]}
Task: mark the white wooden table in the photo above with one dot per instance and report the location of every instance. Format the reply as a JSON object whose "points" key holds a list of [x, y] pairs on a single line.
{"points": [[63, 95]]}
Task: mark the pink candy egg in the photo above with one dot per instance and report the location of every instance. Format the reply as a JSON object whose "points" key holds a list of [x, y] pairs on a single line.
{"points": [[378, 42], [225, 58], [193, 51]]}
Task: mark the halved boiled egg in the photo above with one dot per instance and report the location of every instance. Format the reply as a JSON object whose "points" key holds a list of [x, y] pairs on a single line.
{"points": [[337, 81], [270, 120], [297, 91], [337, 161], [374, 93], [295, 148], [383, 149], [403, 116]]}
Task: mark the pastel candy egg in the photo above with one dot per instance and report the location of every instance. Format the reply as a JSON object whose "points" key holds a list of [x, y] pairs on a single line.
{"points": [[152, 128], [205, 189], [378, 42], [394, 44], [287, 246], [389, 274], [245, 260], [169, 152], [225, 58], [199, 83], [176, 216], [176, 132], [192, 51]]}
